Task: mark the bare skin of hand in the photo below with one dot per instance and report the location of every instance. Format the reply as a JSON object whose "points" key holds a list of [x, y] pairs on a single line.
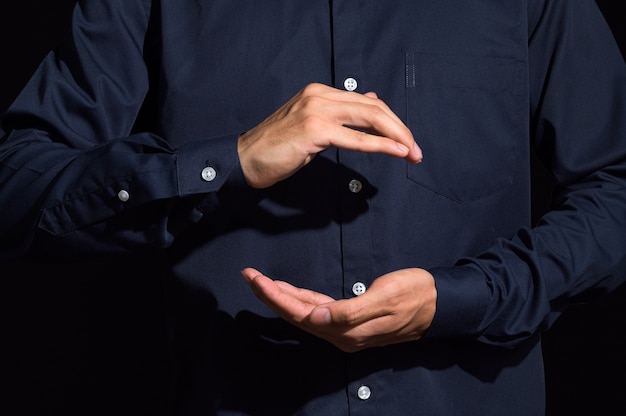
{"points": [[316, 118], [397, 307]]}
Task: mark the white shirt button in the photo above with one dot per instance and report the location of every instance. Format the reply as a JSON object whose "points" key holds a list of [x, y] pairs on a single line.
{"points": [[355, 186], [364, 392], [359, 288], [208, 174], [350, 84], [123, 195]]}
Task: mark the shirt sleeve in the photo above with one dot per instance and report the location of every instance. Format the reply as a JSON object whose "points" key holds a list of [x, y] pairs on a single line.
{"points": [[519, 285], [71, 165]]}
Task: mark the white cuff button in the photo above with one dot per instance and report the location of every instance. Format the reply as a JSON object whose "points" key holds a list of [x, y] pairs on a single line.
{"points": [[208, 174], [123, 195]]}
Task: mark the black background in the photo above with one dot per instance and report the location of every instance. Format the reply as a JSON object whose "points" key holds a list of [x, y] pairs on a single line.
{"points": [[60, 361]]}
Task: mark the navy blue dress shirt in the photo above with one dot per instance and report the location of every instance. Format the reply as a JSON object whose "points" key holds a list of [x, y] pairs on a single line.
{"points": [[124, 143]]}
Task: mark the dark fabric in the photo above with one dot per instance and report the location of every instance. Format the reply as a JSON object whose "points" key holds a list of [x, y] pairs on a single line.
{"points": [[145, 95]]}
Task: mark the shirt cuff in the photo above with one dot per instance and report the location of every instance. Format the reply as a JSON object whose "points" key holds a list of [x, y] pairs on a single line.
{"points": [[462, 299], [203, 166]]}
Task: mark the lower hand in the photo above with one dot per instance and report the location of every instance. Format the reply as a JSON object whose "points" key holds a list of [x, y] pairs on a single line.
{"points": [[398, 307]]}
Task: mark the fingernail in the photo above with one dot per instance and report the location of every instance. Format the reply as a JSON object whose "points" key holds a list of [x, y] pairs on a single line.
{"points": [[320, 316], [418, 150]]}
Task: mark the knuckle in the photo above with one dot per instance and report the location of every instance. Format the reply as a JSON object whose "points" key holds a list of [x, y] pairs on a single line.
{"points": [[350, 317], [310, 102], [361, 137], [314, 88], [312, 122], [376, 112]]}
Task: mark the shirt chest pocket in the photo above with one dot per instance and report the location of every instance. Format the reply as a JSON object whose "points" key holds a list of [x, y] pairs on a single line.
{"points": [[468, 115]]}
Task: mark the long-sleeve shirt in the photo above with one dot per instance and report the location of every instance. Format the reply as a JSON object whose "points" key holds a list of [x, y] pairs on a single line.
{"points": [[124, 143]]}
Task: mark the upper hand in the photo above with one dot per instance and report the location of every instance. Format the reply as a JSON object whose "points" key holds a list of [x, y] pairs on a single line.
{"points": [[316, 118], [398, 307]]}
